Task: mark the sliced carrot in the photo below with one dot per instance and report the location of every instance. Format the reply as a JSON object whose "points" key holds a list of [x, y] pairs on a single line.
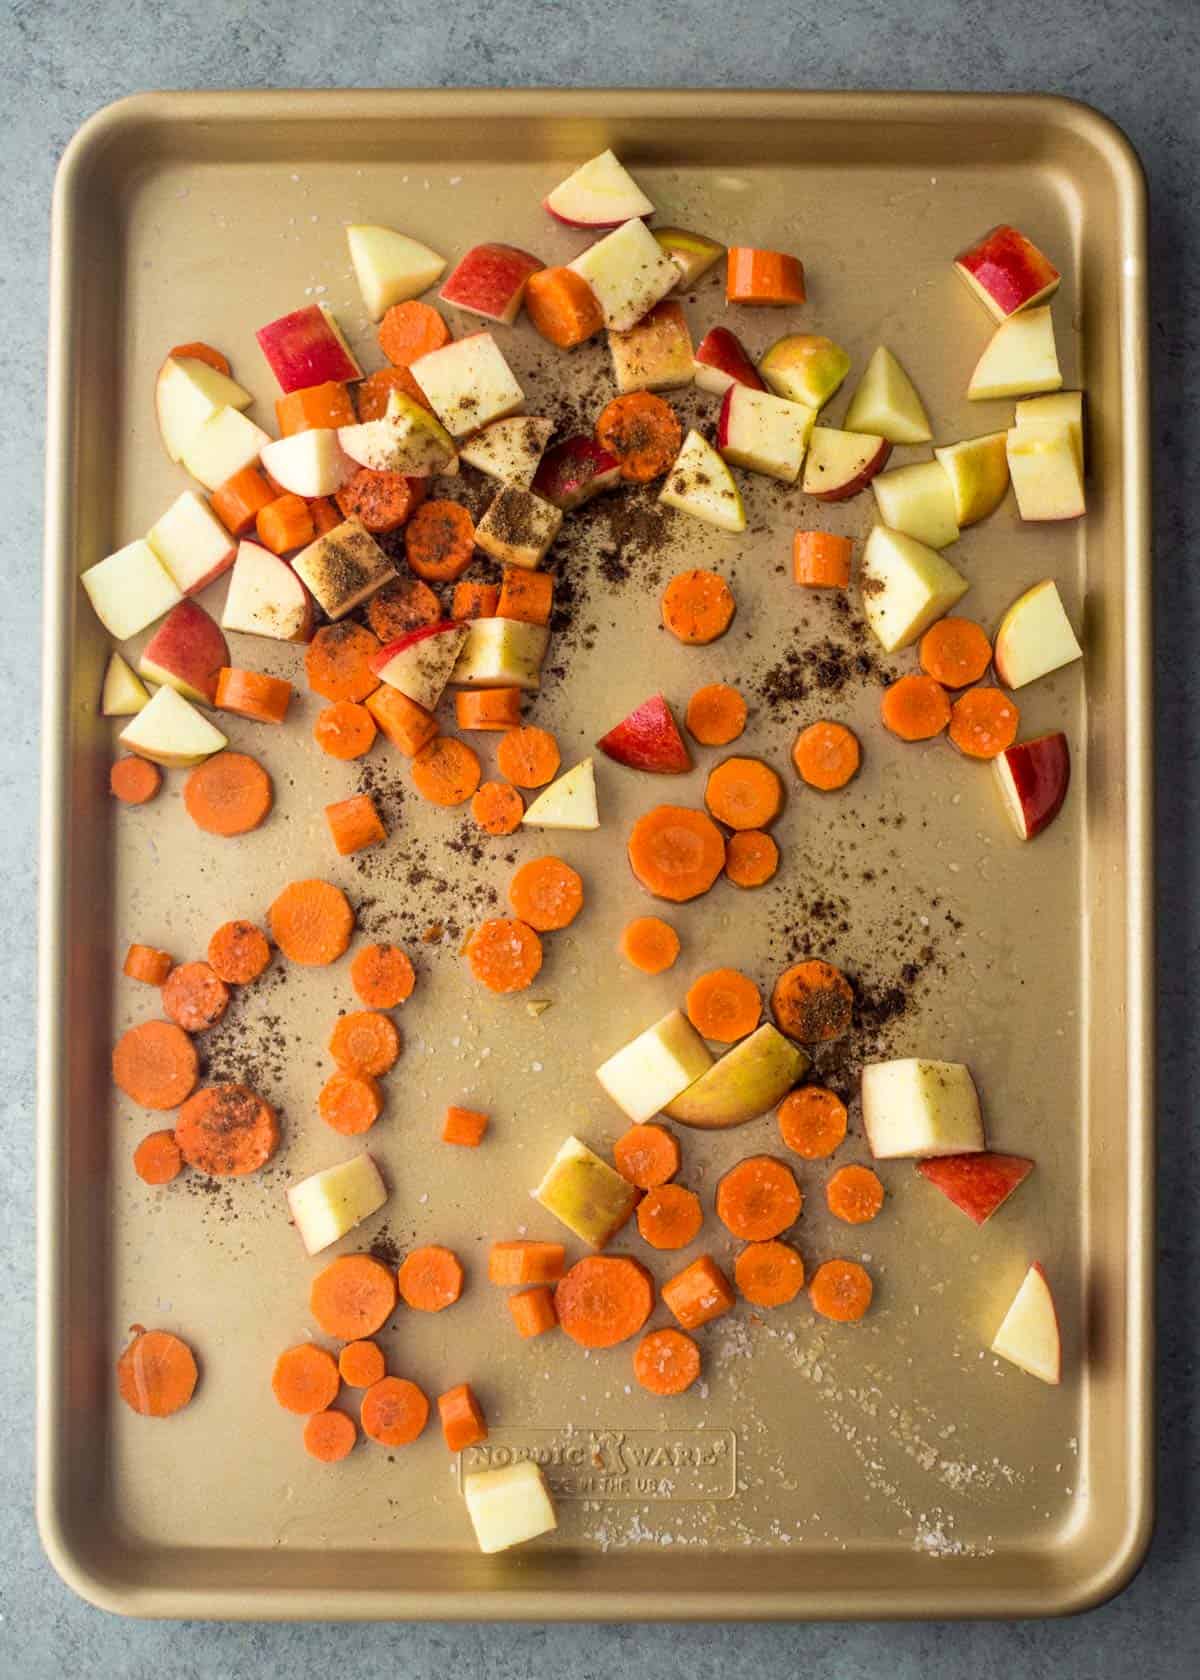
{"points": [[325, 515], [504, 955], [955, 652], [155, 1064], [311, 922], [134, 781], [562, 307], [238, 502], [758, 1198], [463, 1422], [314, 408], [669, 1216], [394, 1412], [697, 607], [380, 501], [238, 953], [439, 541], [915, 708], [716, 715], [528, 756], [285, 524], [156, 1374], [144, 963], [603, 1300], [446, 771], [533, 1311], [403, 604], [821, 560], [984, 723], [763, 277], [361, 1363], [547, 893], [812, 1001], [812, 1121], [464, 1126], [525, 1261], [649, 944], [525, 595], [194, 997], [647, 1156], [227, 1131], [353, 1297], [841, 1290], [488, 708], [329, 1437], [744, 793], [411, 330], [365, 1041], [157, 1159], [406, 725], [751, 858], [854, 1194], [337, 662], [229, 794], [250, 694], [497, 808], [382, 976], [676, 853], [354, 823], [826, 755], [198, 351], [724, 1005], [305, 1379], [377, 387], [698, 1294], [666, 1362], [350, 1103], [769, 1274], [477, 600], [430, 1279], [644, 434]]}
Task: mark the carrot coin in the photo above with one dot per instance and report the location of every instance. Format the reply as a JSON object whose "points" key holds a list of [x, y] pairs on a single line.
{"points": [[227, 1131], [156, 1374], [812, 1001], [155, 1064]]}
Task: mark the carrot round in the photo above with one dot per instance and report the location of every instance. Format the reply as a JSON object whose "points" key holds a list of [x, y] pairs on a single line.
{"points": [[698, 1294], [647, 1156], [157, 1159], [375, 390], [285, 524], [769, 1274], [488, 708], [400, 606], [394, 1412], [724, 1005], [229, 794], [504, 955], [528, 756], [350, 1103], [821, 560], [744, 793], [603, 1300], [156, 1374], [337, 661], [812, 1122], [472, 599], [155, 1064], [411, 330], [133, 780], [314, 408], [751, 858], [676, 853], [145, 963], [227, 1131], [194, 997], [533, 1311], [841, 1290], [361, 1363], [562, 307], [430, 1279], [198, 351], [826, 755], [644, 434], [329, 1436], [238, 953], [311, 922], [649, 944], [305, 1379], [462, 1419], [915, 708], [250, 694], [547, 893], [669, 1216], [439, 541], [497, 808], [697, 607], [758, 1198], [854, 1194], [353, 1297], [345, 730], [382, 976], [984, 722], [365, 1041], [666, 1362], [238, 502], [955, 652], [447, 771], [465, 1127], [812, 1001], [380, 501], [716, 715]]}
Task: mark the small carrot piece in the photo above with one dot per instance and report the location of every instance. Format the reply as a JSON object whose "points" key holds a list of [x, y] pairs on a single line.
{"points": [[305, 1379], [821, 560], [380, 501], [698, 1294], [406, 725], [812, 1001], [315, 408], [285, 524], [644, 434], [411, 330], [463, 1422], [329, 1436], [758, 1198], [697, 607], [439, 541], [724, 1005], [144, 963], [984, 723], [826, 755], [402, 605], [430, 1279], [354, 823], [841, 1290], [955, 652], [649, 944], [238, 502], [669, 1216], [377, 387], [497, 808], [603, 1300], [477, 600], [446, 771], [194, 997], [504, 955], [666, 1362], [155, 1064], [325, 515], [464, 1126], [361, 1364], [751, 858], [533, 1311], [647, 1156], [134, 781], [229, 794], [353, 1297], [250, 694], [812, 1121], [547, 893], [311, 922], [157, 1159], [915, 708], [227, 1131], [562, 307], [365, 1041], [769, 1274], [763, 277], [676, 853], [488, 708], [525, 1261], [238, 953], [350, 1103], [198, 351], [744, 793], [528, 756], [394, 1412], [156, 1374], [854, 1194], [716, 715], [525, 595], [382, 976], [337, 662]]}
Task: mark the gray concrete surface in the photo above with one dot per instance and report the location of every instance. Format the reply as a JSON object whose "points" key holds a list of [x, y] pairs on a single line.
{"points": [[1139, 62]]}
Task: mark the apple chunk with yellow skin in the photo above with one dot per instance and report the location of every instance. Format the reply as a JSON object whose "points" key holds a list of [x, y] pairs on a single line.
{"points": [[508, 1506], [805, 368], [978, 472], [1047, 479], [586, 1194], [1029, 1336], [655, 1067], [918, 500], [905, 587], [916, 1107], [1035, 637], [171, 732], [408, 439], [327, 1204], [1020, 358], [1059, 406], [692, 253], [747, 1081], [501, 653], [886, 402]]}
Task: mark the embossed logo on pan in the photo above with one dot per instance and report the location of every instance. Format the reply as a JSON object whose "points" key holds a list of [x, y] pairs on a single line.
{"points": [[672, 1466]]}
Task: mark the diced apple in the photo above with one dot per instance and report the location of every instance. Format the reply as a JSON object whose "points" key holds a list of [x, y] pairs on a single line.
{"points": [[1029, 1336], [747, 1081], [390, 267], [186, 652], [186, 394], [656, 353], [170, 731], [574, 471], [1047, 477], [763, 432], [629, 272], [518, 527], [327, 1204], [511, 449], [420, 664], [1020, 358], [918, 500], [692, 253], [805, 368], [1058, 406], [469, 384], [840, 464], [1035, 636], [310, 463], [266, 598], [978, 472], [976, 1184], [721, 361], [701, 484], [1034, 776], [1007, 272], [569, 802], [130, 589], [343, 568], [508, 1506], [123, 694], [406, 439], [501, 653], [192, 543], [225, 443], [601, 193], [905, 587], [886, 402], [915, 1107], [648, 739], [586, 1194], [490, 281], [307, 348], [655, 1067]]}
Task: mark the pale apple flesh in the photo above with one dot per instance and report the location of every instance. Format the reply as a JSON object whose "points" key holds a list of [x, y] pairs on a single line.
{"points": [[764, 433], [509, 450], [186, 394], [905, 587], [309, 464], [747, 1081], [1029, 1335], [1035, 637], [187, 652], [518, 527], [123, 694], [328, 1204], [1007, 272], [656, 353], [420, 664], [130, 589], [1020, 359], [225, 444], [170, 731], [508, 1506], [1059, 406], [918, 500], [978, 472], [586, 1194], [915, 1107], [1046, 471], [192, 543], [886, 402], [629, 273], [655, 1067], [601, 193], [701, 484], [692, 253], [407, 439], [501, 653], [839, 464], [390, 267], [469, 383], [568, 803], [490, 281], [1034, 777], [266, 598]]}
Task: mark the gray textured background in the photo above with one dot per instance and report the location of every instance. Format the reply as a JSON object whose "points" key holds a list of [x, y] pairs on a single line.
{"points": [[1139, 61]]}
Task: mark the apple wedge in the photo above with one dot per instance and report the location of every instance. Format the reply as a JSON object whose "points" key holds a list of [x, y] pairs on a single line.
{"points": [[307, 348], [721, 361], [1034, 776], [508, 1506], [171, 732], [518, 527], [764, 433], [130, 589], [122, 694], [1029, 1336], [601, 193], [656, 353], [188, 392], [805, 368], [225, 444], [310, 463], [408, 439], [905, 587], [747, 1081], [327, 1204], [192, 543], [701, 484], [1046, 471], [692, 253], [420, 664], [569, 802], [390, 267], [976, 1184], [266, 598], [918, 500], [586, 1194], [574, 471], [1035, 637], [655, 1067], [1007, 272], [840, 464], [186, 652], [510, 450], [886, 402], [501, 653], [628, 271], [469, 384], [978, 472], [1020, 359], [1059, 406], [490, 281], [648, 739], [915, 1107]]}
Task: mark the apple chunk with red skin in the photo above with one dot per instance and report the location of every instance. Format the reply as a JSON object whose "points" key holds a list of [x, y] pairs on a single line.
{"points": [[648, 739], [186, 652], [574, 471], [1035, 637], [490, 281], [601, 193], [976, 1184], [1034, 776], [721, 362], [1007, 272], [307, 348], [1029, 1335], [840, 464], [419, 664]]}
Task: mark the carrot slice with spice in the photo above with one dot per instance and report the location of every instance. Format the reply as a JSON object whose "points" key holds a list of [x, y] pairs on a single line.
{"points": [[229, 794], [250, 694], [380, 501], [812, 1001], [439, 541], [758, 1198], [476, 600], [394, 1412], [488, 708], [650, 944], [411, 330], [647, 1156], [841, 1290], [504, 955], [400, 606], [238, 953], [547, 893], [354, 824], [337, 662], [350, 1103], [744, 793], [955, 652], [716, 715], [354, 1296], [144, 963], [406, 725], [430, 1279], [533, 1311], [329, 1437], [826, 755], [311, 922], [305, 1379], [854, 1194], [464, 1126], [365, 1041], [698, 1294], [156, 1374], [198, 351], [821, 560], [769, 1274], [497, 808], [526, 1261], [669, 1216], [157, 1159], [915, 708], [361, 1363], [644, 434], [603, 1300], [134, 781], [528, 756], [376, 389], [812, 1121], [562, 307], [984, 723], [697, 607], [194, 997], [666, 1362], [446, 771], [724, 1005], [155, 1064], [227, 1131], [525, 595], [463, 1422], [676, 853], [751, 858], [382, 976]]}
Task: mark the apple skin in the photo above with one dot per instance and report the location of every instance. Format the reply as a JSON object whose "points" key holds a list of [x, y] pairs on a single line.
{"points": [[692, 253], [1034, 776], [419, 664], [490, 281], [978, 472], [722, 362], [648, 739], [976, 1184], [1034, 1310], [1007, 272], [747, 1081], [574, 471], [805, 368], [857, 466], [186, 651], [600, 194], [306, 348], [170, 731], [1035, 637]]}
